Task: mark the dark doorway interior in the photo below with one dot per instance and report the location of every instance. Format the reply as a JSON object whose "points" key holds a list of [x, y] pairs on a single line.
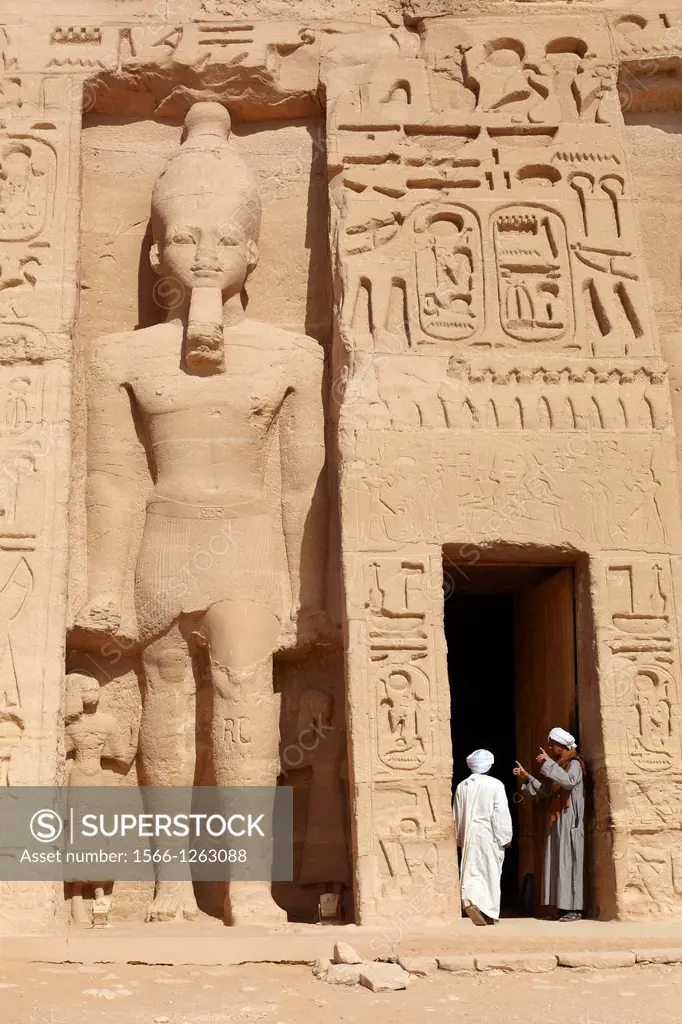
{"points": [[479, 632], [489, 646]]}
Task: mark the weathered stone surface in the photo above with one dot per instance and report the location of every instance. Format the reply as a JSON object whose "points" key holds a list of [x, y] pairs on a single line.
{"points": [[345, 954], [380, 977], [598, 959], [343, 974], [419, 965], [456, 963], [531, 963], [321, 968], [658, 956], [488, 344]]}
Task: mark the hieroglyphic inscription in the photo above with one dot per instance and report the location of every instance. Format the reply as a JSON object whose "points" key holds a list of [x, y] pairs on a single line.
{"points": [[426, 273], [533, 275], [26, 188], [407, 826], [654, 882], [644, 677], [655, 804], [491, 120], [14, 591], [398, 638], [400, 663]]}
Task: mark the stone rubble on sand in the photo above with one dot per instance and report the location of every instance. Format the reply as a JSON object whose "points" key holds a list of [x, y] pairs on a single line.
{"points": [[345, 954], [349, 968], [380, 977], [422, 966]]}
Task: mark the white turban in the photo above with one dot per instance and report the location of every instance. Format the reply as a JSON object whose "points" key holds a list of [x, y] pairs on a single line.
{"points": [[480, 762], [562, 737]]}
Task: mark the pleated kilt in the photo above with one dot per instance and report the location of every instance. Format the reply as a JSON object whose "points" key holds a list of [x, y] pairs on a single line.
{"points": [[191, 558]]}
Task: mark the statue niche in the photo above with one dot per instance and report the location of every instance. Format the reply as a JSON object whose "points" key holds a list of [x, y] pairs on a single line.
{"points": [[182, 418], [325, 861]]}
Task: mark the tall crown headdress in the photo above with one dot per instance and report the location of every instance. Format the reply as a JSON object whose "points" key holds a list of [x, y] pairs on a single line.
{"points": [[206, 163]]}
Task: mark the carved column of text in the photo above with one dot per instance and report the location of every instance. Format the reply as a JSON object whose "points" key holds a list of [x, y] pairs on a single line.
{"points": [[39, 175], [641, 715], [402, 768]]}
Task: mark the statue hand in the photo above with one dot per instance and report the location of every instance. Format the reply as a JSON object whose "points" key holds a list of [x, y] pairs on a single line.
{"points": [[100, 615], [312, 626]]}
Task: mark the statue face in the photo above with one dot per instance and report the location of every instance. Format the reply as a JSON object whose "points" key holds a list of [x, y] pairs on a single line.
{"points": [[203, 243]]}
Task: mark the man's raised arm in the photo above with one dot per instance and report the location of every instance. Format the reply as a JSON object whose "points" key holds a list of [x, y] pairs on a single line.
{"points": [[116, 471]]}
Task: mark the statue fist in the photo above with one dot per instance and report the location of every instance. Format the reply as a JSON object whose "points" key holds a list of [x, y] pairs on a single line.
{"points": [[314, 627], [100, 615]]}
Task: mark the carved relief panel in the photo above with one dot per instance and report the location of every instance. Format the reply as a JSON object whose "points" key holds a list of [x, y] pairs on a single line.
{"points": [[398, 634], [35, 155], [585, 491], [404, 759], [641, 712], [524, 128], [644, 674]]}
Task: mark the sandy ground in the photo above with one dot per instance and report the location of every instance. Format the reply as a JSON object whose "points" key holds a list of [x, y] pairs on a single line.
{"points": [[282, 994]]}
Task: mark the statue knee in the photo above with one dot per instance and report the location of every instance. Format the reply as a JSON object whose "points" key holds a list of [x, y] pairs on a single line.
{"points": [[240, 635], [168, 668]]}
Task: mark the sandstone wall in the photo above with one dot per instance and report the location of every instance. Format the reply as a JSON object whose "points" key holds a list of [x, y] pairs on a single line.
{"points": [[505, 265]]}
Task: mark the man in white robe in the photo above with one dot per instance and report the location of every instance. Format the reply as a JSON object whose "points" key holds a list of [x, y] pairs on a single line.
{"points": [[484, 830]]}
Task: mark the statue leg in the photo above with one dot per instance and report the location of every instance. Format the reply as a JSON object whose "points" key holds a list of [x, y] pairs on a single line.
{"points": [[241, 636], [79, 912], [166, 748]]}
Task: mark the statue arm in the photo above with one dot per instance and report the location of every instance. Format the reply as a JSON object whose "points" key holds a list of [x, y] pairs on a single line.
{"points": [[117, 469], [304, 498], [69, 745], [122, 744]]}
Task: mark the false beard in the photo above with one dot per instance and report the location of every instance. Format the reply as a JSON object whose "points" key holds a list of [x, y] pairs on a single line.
{"points": [[204, 343]]}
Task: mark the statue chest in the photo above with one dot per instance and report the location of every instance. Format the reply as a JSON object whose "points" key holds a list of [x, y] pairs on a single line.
{"points": [[224, 400]]}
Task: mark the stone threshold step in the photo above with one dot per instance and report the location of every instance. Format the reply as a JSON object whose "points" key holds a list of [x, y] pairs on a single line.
{"points": [[177, 946], [539, 963]]}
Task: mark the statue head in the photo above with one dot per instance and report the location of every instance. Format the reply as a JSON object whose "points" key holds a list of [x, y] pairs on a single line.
{"points": [[206, 208], [82, 695]]}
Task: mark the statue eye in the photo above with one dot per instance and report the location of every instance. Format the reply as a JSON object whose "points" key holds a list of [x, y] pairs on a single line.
{"points": [[184, 238]]}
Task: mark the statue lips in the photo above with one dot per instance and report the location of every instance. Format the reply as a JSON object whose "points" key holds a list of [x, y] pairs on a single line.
{"points": [[204, 271]]}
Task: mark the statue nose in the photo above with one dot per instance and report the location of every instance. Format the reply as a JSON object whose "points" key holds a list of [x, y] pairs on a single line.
{"points": [[207, 256]]}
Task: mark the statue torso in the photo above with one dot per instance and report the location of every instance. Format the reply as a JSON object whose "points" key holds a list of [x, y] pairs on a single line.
{"points": [[209, 436]]}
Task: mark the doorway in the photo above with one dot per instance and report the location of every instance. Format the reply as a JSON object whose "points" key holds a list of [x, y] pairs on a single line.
{"points": [[510, 635]]}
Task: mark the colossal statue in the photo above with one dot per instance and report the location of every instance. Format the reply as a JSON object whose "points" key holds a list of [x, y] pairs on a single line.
{"points": [[189, 412]]}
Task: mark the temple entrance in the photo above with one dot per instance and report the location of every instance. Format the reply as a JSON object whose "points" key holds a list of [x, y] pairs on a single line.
{"points": [[510, 634]]}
